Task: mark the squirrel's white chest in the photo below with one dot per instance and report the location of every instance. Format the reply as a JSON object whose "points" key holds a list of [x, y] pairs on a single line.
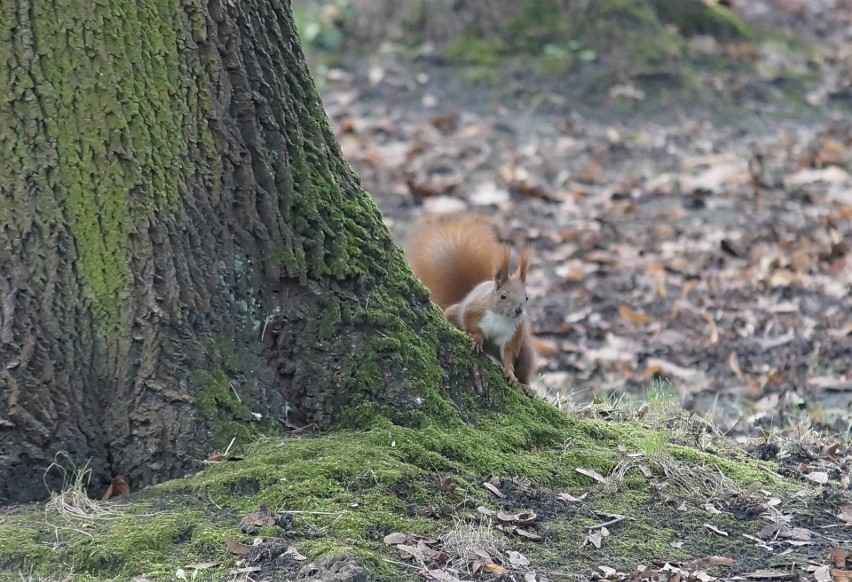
{"points": [[498, 329]]}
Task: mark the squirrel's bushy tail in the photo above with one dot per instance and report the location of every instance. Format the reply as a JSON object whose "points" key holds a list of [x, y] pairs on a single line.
{"points": [[452, 255]]}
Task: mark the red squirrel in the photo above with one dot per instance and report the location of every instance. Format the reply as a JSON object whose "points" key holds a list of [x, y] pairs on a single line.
{"points": [[466, 269]]}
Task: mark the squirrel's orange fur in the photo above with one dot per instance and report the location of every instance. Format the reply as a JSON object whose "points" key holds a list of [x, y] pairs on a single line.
{"points": [[466, 270]]}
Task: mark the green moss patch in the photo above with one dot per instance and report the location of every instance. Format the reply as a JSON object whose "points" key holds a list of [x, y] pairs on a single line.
{"points": [[605, 43], [345, 491]]}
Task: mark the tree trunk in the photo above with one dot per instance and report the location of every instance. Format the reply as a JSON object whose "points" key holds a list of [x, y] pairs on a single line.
{"points": [[184, 255]]}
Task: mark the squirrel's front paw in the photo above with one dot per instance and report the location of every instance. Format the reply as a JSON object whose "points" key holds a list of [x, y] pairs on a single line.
{"points": [[476, 344], [510, 376]]}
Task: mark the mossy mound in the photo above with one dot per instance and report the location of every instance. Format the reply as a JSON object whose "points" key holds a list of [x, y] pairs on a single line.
{"points": [[602, 44], [343, 492], [631, 51]]}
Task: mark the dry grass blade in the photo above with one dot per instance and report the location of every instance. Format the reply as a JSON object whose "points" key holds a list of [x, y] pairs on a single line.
{"points": [[32, 576], [73, 502], [468, 540], [693, 480]]}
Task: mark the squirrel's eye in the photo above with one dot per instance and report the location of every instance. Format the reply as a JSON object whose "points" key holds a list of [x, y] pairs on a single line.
{"points": [[527, 298], [503, 295]]}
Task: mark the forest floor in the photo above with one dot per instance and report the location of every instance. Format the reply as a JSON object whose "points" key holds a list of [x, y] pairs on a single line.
{"points": [[693, 268], [695, 249], [691, 249]]}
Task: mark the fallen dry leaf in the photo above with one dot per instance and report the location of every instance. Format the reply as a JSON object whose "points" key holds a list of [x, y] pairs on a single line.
{"points": [[486, 557], [797, 533], [820, 477], [238, 548], [720, 561], [431, 553], [258, 519], [771, 574], [294, 553], [412, 551], [506, 528], [776, 342], [715, 529], [831, 450], [440, 575], [822, 574], [489, 194], [782, 278], [395, 538], [517, 559], [596, 537], [203, 565], [493, 489], [831, 175], [530, 535], [590, 473], [592, 174], [633, 316], [495, 569], [714, 329], [734, 365], [525, 518], [831, 383], [446, 122], [570, 498], [845, 514]]}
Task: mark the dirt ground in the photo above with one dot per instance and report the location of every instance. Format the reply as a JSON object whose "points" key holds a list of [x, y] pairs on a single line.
{"points": [[684, 250]]}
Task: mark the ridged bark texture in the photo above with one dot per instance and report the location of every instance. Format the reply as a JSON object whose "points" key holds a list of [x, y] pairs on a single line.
{"points": [[182, 247]]}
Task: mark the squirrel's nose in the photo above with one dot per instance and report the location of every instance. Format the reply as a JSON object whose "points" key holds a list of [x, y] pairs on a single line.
{"points": [[519, 309]]}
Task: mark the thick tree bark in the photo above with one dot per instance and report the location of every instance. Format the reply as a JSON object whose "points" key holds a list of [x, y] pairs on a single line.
{"points": [[182, 245]]}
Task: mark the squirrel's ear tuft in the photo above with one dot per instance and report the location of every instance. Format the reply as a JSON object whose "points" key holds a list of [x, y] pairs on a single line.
{"points": [[503, 268], [524, 263]]}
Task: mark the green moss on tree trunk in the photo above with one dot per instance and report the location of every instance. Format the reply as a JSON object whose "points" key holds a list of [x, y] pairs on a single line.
{"points": [[187, 251]]}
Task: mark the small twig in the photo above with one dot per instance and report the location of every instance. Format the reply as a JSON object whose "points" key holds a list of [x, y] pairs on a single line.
{"points": [[234, 389], [608, 523], [372, 474], [230, 444], [56, 529], [333, 521], [305, 428], [727, 432], [412, 566], [296, 511], [210, 497]]}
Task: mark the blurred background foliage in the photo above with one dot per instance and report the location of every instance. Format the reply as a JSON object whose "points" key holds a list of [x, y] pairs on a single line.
{"points": [[579, 47]]}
